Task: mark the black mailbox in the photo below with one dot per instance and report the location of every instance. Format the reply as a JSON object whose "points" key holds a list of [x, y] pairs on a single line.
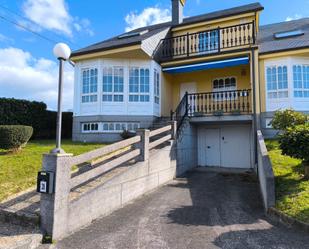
{"points": [[45, 182]]}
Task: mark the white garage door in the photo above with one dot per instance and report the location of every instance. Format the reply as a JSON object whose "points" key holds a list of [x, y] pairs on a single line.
{"points": [[226, 146]]}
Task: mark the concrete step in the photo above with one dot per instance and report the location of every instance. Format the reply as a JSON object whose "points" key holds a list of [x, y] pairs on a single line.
{"points": [[22, 209]]}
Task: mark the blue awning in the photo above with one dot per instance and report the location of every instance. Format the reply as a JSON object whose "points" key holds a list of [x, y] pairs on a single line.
{"points": [[207, 65]]}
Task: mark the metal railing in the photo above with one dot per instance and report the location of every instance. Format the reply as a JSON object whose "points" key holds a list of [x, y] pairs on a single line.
{"points": [[206, 42]]}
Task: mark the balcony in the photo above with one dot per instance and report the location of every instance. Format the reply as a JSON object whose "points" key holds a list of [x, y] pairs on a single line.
{"points": [[208, 42], [219, 103], [211, 104]]}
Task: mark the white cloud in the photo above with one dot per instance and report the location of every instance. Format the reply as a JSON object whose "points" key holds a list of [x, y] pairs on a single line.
{"points": [[26, 77], [295, 17], [148, 16], [53, 15]]}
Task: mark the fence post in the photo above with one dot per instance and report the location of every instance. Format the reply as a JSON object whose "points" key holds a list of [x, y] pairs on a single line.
{"points": [[54, 207], [174, 130], [143, 145]]}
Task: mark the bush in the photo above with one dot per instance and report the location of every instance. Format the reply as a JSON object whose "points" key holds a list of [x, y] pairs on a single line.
{"points": [[294, 142], [13, 137], [127, 134], [288, 118]]}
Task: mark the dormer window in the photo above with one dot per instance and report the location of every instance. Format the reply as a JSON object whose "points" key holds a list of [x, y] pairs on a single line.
{"points": [[288, 34], [132, 34]]}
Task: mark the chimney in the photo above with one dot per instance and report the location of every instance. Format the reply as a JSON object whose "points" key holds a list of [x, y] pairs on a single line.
{"points": [[177, 11]]}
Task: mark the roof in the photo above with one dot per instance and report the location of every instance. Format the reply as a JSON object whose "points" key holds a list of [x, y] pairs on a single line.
{"points": [[115, 42], [269, 44]]}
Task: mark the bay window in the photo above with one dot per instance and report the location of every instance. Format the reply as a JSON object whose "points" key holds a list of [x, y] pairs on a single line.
{"points": [[139, 90], [113, 84], [89, 85], [301, 81], [277, 82]]}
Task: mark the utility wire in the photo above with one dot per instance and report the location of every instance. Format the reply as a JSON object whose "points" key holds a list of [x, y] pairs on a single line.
{"points": [[31, 30], [28, 29]]}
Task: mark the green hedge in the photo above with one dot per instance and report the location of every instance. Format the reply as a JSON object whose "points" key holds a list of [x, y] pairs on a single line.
{"points": [[14, 136], [35, 114]]}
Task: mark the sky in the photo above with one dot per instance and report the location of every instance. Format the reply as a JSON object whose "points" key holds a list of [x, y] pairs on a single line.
{"points": [[29, 29]]}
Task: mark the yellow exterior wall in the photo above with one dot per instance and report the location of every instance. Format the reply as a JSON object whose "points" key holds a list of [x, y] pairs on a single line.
{"points": [[262, 85], [203, 80]]}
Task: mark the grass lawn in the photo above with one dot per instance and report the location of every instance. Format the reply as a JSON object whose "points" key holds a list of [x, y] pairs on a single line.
{"points": [[18, 172], [292, 190]]}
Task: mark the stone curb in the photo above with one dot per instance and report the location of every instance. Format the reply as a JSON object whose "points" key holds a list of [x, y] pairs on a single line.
{"points": [[287, 220]]}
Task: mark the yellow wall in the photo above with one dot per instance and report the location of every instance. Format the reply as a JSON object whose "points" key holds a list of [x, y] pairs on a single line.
{"points": [[203, 80]]}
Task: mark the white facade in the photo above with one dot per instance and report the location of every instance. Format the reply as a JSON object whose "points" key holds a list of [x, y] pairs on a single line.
{"points": [[287, 98], [125, 107]]}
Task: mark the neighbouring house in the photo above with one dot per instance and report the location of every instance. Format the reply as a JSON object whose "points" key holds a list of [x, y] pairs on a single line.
{"points": [[220, 75]]}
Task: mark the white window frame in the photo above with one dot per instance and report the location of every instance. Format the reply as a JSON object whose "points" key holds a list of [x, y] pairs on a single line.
{"points": [[156, 85], [90, 130], [138, 94], [224, 89], [302, 89], [113, 94], [90, 94], [124, 125], [280, 93]]}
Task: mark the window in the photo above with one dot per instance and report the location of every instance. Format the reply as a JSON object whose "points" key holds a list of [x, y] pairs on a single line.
{"points": [[139, 85], [90, 127], [89, 85], [118, 127], [113, 81], [277, 82], [208, 41], [288, 34], [301, 81], [224, 84], [132, 126], [156, 87]]}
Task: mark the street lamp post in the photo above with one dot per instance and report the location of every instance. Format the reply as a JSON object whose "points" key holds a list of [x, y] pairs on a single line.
{"points": [[63, 53]]}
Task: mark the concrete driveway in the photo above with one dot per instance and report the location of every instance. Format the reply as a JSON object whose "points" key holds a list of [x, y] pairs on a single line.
{"points": [[203, 210]]}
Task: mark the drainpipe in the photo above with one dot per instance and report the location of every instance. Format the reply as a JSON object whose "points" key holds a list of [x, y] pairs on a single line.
{"points": [[254, 105]]}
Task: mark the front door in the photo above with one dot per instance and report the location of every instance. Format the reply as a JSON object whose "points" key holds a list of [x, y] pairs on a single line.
{"points": [[187, 87]]}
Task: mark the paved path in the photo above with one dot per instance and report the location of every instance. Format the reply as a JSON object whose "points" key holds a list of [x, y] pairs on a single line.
{"points": [[204, 210]]}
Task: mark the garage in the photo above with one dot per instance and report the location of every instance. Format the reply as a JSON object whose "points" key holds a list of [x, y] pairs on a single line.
{"points": [[228, 146]]}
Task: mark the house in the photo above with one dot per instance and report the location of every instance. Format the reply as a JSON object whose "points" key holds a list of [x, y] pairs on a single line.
{"points": [[221, 74]]}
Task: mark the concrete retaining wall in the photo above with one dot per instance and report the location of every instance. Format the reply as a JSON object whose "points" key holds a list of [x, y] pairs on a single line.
{"points": [[265, 174], [186, 148], [137, 180]]}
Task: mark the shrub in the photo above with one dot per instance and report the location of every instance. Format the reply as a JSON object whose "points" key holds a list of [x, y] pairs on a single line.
{"points": [[288, 118], [127, 134], [294, 142], [13, 137]]}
